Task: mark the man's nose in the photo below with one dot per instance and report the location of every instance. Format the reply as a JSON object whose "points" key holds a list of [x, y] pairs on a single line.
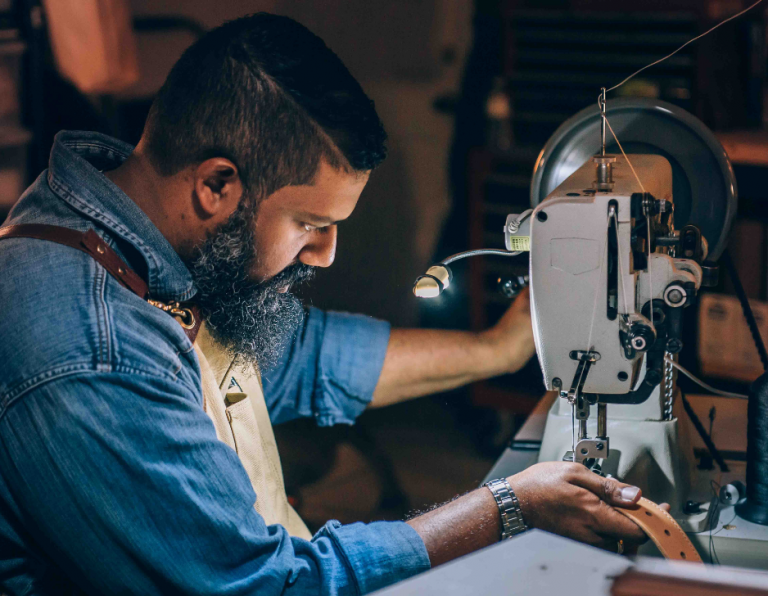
{"points": [[321, 250]]}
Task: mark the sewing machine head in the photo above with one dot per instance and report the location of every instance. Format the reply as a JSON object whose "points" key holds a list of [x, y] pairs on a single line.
{"points": [[617, 252], [609, 278], [603, 304]]}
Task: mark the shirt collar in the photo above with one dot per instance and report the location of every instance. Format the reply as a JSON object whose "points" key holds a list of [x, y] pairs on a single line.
{"points": [[74, 174]]}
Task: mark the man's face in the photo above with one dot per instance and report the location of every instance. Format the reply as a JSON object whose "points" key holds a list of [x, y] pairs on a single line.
{"points": [[245, 269], [297, 224]]}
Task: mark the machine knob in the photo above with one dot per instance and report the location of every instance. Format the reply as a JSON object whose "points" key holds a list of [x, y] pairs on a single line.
{"points": [[513, 286], [641, 337], [675, 295]]}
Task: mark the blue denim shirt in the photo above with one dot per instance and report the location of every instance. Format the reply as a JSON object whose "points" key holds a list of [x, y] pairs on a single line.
{"points": [[330, 371], [112, 479]]}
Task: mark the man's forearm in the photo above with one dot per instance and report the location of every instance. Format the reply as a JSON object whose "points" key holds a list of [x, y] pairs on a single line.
{"points": [[564, 498], [424, 361], [460, 527]]}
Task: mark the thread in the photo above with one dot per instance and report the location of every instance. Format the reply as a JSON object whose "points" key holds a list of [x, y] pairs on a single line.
{"points": [[701, 383], [647, 217], [755, 507], [690, 41], [615, 138], [746, 308]]}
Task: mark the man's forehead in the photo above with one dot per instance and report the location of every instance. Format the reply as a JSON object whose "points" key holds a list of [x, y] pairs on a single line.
{"points": [[332, 195]]}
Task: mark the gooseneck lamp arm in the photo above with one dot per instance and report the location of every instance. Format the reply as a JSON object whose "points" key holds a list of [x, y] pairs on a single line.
{"points": [[439, 276]]}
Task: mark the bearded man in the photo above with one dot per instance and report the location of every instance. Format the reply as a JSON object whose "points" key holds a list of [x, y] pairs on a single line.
{"points": [[136, 460]]}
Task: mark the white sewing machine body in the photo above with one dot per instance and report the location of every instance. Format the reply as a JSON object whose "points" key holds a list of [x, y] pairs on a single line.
{"points": [[577, 306], [589, 284], [574, 306]]}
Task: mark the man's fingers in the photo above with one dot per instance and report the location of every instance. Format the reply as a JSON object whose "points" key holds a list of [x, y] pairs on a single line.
{"points": [[522, 302], [609, 490], [612, 524], [609, 522], [665, 507]]}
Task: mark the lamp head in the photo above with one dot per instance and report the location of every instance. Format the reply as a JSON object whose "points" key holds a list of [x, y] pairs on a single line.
{"points": [[433, 282]]}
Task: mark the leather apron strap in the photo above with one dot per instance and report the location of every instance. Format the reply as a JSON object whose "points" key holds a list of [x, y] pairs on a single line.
{"points": [[663, 530], [91, 244]]}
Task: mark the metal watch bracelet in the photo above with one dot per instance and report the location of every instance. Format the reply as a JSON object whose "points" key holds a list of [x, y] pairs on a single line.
{"points": [[512, 522]]}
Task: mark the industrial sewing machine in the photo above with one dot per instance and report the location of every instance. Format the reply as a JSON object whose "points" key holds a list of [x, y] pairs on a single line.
{"points": [[620, 245]]}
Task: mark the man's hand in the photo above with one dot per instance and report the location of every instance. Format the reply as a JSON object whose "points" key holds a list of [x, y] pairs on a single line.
{"points": [[512, 336], [568, 499]]}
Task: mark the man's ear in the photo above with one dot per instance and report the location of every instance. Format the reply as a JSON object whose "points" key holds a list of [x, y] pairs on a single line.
{"points": [[218, 188]]}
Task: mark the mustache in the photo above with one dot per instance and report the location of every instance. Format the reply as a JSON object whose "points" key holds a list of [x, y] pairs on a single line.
{"points": [[291, 276]]}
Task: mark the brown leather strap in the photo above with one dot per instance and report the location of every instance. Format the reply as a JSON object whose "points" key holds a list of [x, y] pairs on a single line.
{"points": [[663, 530], [91, 244]]}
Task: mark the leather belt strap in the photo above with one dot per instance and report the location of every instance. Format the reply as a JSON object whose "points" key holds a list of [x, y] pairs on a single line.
{"points": [[663, 530], [91, 244]]}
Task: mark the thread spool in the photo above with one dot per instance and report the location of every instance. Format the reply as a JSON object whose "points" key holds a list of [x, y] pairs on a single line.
{"points": [[755, 507]]}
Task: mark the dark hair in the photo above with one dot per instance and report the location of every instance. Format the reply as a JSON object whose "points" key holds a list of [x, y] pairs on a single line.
{"points": [[268, 94]]}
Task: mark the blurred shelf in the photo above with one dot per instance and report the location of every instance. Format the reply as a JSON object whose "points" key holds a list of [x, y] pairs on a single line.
{"points": [[14, 136], [746, 147]]}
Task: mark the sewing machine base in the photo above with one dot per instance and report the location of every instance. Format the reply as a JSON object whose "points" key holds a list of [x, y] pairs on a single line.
{"points": [[646, 453]]}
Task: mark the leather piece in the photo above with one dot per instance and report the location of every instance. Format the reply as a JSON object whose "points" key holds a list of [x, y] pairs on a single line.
{"points": [[90, 243], [663, 530], [192, 332], [642, 583]]}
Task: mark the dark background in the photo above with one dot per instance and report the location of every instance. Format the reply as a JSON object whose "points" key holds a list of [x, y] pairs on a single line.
{"points": [[447, 185]]}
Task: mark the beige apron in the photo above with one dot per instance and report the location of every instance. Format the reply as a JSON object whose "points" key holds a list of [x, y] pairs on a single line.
{"points": [[234, 400]]}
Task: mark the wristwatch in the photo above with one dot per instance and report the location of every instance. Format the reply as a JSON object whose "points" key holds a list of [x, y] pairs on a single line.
{"points": [[512, 522]]}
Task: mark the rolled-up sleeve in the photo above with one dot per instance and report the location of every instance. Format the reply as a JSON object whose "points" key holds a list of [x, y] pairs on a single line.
{"points": [[330, 370], [124, 487]]}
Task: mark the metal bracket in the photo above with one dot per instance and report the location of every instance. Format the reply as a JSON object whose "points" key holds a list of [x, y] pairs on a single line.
{"points": [[586, 360], [597, 448]]}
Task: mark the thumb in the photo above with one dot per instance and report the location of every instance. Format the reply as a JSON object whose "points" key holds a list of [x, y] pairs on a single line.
{"points": [[619, 494]]}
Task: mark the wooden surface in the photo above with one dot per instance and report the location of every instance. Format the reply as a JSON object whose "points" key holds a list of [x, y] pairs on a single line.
{"points": [[746, 147]]}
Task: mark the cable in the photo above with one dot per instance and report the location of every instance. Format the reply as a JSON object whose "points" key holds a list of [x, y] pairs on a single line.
{"points": [[690, 41], [748, 314], [479, 251], [701, 383], [714, 509], [703, 434], [514, 225]]}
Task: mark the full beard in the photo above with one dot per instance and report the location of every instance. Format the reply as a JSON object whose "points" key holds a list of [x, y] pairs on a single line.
{"points": [[254, 320]]}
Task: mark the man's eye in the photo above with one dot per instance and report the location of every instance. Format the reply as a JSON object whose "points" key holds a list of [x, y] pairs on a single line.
{"points": [[310, 228]]}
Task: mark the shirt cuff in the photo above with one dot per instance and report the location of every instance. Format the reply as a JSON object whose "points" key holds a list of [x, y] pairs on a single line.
{"points": [[351, 358], [379, 554]]}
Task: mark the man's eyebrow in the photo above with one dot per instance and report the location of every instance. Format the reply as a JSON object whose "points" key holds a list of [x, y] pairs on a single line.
{"points": [[318, 219]]}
